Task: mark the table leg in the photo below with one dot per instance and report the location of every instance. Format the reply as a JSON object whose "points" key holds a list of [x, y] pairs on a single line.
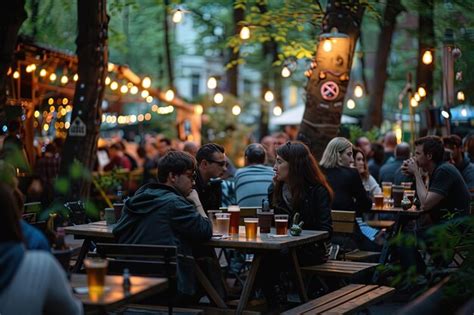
{"points": [[211, 292], [82, 254], [299, 277], [248, 285]]}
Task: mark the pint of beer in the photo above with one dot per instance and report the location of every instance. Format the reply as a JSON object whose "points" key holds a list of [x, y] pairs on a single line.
{"points": [[234, 212], [96, 270], [387, 189], [281, 224], [222, 223], [378, 198], [251, 228]]}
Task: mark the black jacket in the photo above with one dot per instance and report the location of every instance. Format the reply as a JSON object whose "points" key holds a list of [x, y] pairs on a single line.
{"points": [[210, 193], [315, 211]]}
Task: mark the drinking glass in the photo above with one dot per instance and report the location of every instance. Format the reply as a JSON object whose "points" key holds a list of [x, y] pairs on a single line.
{"points": [[406, 185], [234, 212], [265, 219], [96, 269], [222, 223], [410, 194], [397, 195], [281, 224], [212, 217], [251, 228], [378, 198], [387, 189]]}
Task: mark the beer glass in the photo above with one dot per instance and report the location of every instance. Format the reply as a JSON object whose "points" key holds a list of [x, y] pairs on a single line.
{"points": [[378, 198], [387, 189], [96, 269], [222, 223], [109, 216], [397, 194], [281, 224], [118, 211], [212, 217], [406, 185], [251, 228], [265, 219], [234, 212], [410, 194]]}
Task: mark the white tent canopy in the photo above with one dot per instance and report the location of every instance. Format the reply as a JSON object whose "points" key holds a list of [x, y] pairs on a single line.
{"points": [[294, 116]]}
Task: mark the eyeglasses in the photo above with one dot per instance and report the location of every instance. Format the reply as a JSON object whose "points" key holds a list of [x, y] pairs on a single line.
{"points": [[220, 163]]}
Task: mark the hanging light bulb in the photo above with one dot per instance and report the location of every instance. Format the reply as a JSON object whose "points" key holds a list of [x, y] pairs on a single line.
{"points": [[445, 114], [110, 67], [351, 104], [417, 97], [52, 77], [268, 96], [285, 72], [236, 110], [123, 89], [178, 16], [75, 77], [460, 96], [358, 91], [422, 91], [169, 95], [427, 57], [245, 33], [107, 80], [113, 86], [211, 83], [134, 90], [277, 111], [218, 98], [64, 79], [145, 93], [327, 45], [198, 109], [464, 112], [43, 73], [146, 82], [413, 102], [16, 75]]}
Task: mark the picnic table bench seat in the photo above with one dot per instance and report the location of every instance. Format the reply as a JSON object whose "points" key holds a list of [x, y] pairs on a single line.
{"points": [[337, 268], [361, 255], [347, 300]]}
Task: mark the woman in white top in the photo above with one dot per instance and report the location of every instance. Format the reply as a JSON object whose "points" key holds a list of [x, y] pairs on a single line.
{"points": [[369, 182], [31, 282]]}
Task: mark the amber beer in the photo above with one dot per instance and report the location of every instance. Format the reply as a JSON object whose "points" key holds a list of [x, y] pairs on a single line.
{"points": [[281, 224], [378, 198], [96, 270], [234, 212], [387, 189], [251, 228]]}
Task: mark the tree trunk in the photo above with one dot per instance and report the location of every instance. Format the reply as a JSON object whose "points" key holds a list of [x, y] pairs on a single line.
{"points": [[374, 117], [232, 73], [169, 61], [92, 55], [322, 117], [12, 15]]}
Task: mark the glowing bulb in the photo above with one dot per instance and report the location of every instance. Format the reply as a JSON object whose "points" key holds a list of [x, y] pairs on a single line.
{"points": [[212, 83], [37, 113], [427, 57], [146, 82], [236, 110], [51, 101], [327, 45], [268, 96], [46, 127], [277, 111], [285, 72], [145, 93], [413, 102], [147, 116], [134, 90], [463, 112], [218, 98], [113, 86], [65, 101], [445, 114], [16, 75], [198, 109], [169, 95], [351, 104], [422, 91], [75, 77], [417, 97], [107, 80], [43, 73], [123, 89], [64, 79], [149, 99], [245, 33], [358, 91], [178, 16], [460, 96], [52, 77], [110, 66], [67, 124]]}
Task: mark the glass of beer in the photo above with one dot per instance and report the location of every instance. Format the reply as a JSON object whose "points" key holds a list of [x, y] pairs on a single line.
{"points": [[410, 194], [212, 217], [96, 270], [406, 185], [222, 223], [251, 228], [378, 198], [397, 194], [281, 224], [234, 212], [387, 189]]}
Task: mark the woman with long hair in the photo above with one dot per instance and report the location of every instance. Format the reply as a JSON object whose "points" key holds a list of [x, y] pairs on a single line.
{"points": [[32, 276], [369, 182]]}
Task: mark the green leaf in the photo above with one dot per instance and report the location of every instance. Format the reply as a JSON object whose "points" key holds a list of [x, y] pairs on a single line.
{"points": [[61, 185]]}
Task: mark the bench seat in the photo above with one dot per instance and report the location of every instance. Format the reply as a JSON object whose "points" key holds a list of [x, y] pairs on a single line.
{"points": [[337, 268], [361, 255]]}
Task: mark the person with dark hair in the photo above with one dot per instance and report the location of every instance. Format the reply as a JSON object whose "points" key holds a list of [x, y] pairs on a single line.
{"points": [[453, 145], [211, 163], [47, 170], [369, 182], [32, 276], [363, 143], [389, 170], [253, 180], [299, 186], [389, 145], [133, 161], [468, 143], [163, 146], [377, 159], [168, 213], [117, 158], [447, 190], [190, 147]]}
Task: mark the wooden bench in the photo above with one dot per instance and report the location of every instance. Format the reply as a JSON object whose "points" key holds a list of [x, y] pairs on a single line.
{"points": [[343, 222], [381, 224], [347, 300], [338, 268]]}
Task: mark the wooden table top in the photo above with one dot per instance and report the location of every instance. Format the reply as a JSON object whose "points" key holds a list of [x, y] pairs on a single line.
{"points": [[396, 210], [267, 241], [114, 294], [94, 229]]}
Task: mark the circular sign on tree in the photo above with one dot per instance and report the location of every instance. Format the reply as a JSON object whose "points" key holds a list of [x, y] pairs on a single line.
{"points": [[329, 90]]}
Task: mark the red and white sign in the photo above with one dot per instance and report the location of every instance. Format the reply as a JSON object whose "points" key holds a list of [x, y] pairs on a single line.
{"points": [[329, 91]]}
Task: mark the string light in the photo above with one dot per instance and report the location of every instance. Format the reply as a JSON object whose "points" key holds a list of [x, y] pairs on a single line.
{"points": [[327, 45], [285, 72], [427, 57], [417, 97], [52, 77], [146, 82], [211, 83], [123, 89], [51, 101], [64, 79], [110, 67], [245, 33], [37, 113], [460, 96], [134, 90], [107, 80], [421, 91], [178, 16], [218, 98], [75, 77], [169, 95], [43, 73], [145, 93], [16, 75], [113, 86], [351, 104], [198, 109], [358, 91], [268, 96], [413, 102], [277, 111], [149, 99], [236, 110]]}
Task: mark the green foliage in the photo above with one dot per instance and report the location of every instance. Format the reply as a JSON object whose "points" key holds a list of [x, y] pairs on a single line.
{"points": [[356, 132]]}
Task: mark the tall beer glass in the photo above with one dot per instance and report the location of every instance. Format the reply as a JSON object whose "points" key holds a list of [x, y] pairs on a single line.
{"points": [[281, 224], [234, 212], [251, 228], [96, 269]]}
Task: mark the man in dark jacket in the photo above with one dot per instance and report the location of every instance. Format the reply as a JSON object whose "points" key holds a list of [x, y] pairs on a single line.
{"points": [[168, 213]]}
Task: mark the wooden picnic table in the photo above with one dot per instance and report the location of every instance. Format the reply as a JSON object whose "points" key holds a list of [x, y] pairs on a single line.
{"points": [[266, 244], [114, 293]]}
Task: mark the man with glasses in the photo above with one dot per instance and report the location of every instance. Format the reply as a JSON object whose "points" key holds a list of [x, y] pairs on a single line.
{"points": [[169, 213], [212, 164]]}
